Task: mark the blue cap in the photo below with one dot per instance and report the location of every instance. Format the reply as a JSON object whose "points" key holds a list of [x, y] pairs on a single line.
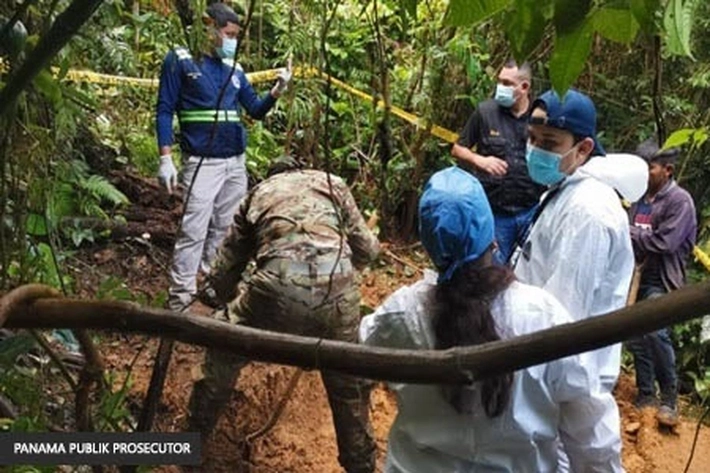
{"points": [[455, 220], [575, 113]]}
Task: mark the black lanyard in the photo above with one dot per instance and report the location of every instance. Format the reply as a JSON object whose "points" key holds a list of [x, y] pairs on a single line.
{"points": [[521, 241]]}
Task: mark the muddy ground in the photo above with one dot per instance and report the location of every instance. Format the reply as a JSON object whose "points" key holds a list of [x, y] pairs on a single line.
{"points": [[303, 439]]}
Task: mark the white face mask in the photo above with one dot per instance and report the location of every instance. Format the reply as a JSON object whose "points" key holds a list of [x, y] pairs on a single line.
{"points": [[228, 48], [505, 95]]}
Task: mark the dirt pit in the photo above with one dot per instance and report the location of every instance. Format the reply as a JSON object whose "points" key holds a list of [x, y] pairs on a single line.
{"points": [[303, 439]]}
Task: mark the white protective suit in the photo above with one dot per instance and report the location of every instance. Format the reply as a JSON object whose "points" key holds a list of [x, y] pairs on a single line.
{"points": [[579, 249], [561, 397]]}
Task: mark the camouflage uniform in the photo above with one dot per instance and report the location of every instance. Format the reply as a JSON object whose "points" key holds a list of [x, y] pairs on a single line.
{"points": [[303, 242]]}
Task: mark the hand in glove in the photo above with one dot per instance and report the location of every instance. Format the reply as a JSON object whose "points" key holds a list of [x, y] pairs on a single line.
{"points": [[167, 174], [282, 79]]}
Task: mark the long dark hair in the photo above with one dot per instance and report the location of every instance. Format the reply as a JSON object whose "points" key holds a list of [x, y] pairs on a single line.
{"points": [[462, 317]]}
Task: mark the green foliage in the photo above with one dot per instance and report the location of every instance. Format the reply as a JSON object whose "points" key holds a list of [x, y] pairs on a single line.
{"points": [[466, 12], [76, 192], [262, 148], [692, 356], [575, 23], [686, 136], [525, 26], [570, 15], [39, 265], [692, 139], [112, 413], [616, 24], [14, 40], [644, 11], [12, 347], [22, 386], [678, 23], [141, 152], [569, 56]]}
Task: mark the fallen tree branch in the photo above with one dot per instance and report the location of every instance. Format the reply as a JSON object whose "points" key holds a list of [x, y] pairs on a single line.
{"points": [[456, 365], [20, 299], [25, 295]]}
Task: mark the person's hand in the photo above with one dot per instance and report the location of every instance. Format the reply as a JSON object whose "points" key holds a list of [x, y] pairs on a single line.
{"points": [[492, 165], [282, 79], [167, 174]]}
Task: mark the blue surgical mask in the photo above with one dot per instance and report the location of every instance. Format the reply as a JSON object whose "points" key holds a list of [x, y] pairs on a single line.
{"points": [[544, 166], [505, 95], [228, 48]]}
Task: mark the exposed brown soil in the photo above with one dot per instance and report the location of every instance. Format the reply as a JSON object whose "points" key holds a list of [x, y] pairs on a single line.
{"points": [[303, 439]]}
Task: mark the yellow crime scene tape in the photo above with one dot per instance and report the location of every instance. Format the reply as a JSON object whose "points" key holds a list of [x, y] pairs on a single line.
{"points": [[702, 257], [267, 75], [303, 72]]}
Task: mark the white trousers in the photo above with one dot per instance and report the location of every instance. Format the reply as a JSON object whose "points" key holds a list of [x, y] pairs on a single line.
{"points": [[220, 185]]}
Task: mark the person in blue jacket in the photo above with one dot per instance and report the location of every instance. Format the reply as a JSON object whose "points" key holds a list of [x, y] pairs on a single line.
{"points": [[207, 94]]}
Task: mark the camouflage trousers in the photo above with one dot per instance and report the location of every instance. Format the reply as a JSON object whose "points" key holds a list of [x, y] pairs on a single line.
{"points": [[302, 305]]}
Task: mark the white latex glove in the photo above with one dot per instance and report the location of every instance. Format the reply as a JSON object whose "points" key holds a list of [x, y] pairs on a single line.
{"points": [[167, 174], [283, 78], [705, 329]]}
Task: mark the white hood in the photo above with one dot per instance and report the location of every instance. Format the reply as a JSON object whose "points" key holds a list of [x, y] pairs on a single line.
{"points": [[627, 173]]}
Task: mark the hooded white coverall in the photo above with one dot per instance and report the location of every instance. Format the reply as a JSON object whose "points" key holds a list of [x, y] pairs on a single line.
{"points": [[579, 249], [561, 397]]}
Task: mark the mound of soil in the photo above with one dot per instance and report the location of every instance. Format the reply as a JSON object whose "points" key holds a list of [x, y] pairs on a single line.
{"points": [[303, 438]]}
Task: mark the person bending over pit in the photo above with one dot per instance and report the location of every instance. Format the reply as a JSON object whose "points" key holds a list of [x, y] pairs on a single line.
{"points": [[304, 231]]}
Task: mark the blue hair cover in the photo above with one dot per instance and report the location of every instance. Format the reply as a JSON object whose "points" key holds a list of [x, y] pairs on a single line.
{"points": [[455, 220]]}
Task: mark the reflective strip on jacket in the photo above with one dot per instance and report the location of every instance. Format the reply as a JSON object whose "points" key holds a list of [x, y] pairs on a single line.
{"points": [[208, 96]]}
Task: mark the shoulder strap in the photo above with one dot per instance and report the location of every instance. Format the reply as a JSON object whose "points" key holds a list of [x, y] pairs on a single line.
{"points": [[523, 238]]}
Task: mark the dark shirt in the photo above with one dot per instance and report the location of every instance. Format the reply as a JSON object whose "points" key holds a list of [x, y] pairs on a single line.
{"points": [[664, 239], [494, 131]]}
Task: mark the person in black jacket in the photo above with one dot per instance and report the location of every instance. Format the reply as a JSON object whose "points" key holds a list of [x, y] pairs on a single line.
{"points": [[492, 145]]}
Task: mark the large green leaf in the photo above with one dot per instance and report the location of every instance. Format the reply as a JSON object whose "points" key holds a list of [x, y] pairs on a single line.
{"points": [[470, 12], [616, 24], [644, 11], [570, 53], [686, 136], [569, 14], [678, 23], [524, 27]]}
